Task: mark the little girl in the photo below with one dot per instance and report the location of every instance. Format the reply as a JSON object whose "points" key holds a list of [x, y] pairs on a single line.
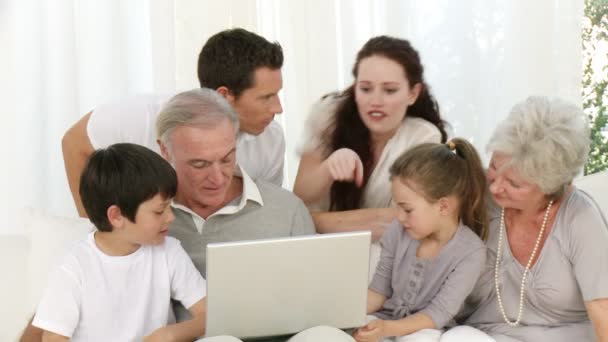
{"points": [[433, 253]]}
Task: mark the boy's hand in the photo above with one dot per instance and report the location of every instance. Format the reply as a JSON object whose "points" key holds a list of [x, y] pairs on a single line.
{"points": [[372, 332], [163, 334]]}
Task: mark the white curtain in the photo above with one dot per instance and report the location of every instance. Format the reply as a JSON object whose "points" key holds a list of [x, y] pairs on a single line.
{"points": [[480, 56], [60, 58]]}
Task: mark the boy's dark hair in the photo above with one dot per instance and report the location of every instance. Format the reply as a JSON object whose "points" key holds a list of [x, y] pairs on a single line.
{"points": [[230, 57], [125, 175]]}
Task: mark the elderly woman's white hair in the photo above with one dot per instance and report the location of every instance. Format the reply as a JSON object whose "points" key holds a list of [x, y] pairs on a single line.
{"points": [[547, 139], [197, 107]]}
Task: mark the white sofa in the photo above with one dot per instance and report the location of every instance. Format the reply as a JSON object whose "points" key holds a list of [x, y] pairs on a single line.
{"points": [[34, 244], [27, 255], [596, 185]]}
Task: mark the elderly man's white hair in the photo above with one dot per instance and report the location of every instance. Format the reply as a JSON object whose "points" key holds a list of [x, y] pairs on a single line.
{"points": [[200, 107], [547, 139]]}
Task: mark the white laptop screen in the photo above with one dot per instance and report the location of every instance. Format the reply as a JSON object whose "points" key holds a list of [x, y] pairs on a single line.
{"points": [[283, 286]]}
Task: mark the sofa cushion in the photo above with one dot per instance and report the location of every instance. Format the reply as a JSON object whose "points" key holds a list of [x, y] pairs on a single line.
{"points": [[14, 314], [50, 237], [596, 185]]}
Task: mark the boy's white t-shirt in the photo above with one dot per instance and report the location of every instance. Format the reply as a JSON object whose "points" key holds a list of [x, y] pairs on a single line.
{"points": [[95, 297]]}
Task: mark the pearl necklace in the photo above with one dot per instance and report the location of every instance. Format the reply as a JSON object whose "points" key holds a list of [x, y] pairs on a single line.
{"points": [[526, 270]]}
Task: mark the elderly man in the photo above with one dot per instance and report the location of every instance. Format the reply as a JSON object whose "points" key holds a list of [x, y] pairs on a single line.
{"points": [[216, 200], [240, 65]]}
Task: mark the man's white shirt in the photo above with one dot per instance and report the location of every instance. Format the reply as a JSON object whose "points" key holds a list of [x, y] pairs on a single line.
{"points": [[133, 120]]}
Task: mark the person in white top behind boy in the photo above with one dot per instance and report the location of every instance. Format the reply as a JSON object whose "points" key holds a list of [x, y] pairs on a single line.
{"points": [[243, 67], [117, 284]]}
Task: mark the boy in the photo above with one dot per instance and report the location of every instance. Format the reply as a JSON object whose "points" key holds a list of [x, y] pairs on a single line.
{"points": [[118, 283]]}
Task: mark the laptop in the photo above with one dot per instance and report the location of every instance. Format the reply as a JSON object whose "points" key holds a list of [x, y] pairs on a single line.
{"points": [[282, 286]]}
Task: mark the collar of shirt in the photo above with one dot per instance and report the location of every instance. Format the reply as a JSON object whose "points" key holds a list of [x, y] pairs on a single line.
{"points": [[245, 136], [250, 193]]}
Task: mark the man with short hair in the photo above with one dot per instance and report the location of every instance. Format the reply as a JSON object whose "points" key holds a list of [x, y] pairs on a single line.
{"points": [[240, 65]]}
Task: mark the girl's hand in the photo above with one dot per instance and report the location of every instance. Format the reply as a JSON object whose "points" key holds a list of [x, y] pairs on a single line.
{"points": [[345, 165], [372, 332]]}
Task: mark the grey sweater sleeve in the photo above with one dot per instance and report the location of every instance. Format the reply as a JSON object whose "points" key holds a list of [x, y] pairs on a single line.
{"points": [[457, 286], [382, 281], [301, 222]]}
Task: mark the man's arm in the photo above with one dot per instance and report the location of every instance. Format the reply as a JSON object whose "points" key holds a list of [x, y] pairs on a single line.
{"points": [[48, 336], [31, 333], [76, 148], [184, 331]]}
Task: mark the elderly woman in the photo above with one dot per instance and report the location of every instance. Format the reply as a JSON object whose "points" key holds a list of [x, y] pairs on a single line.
{"points": [[546, 278]]}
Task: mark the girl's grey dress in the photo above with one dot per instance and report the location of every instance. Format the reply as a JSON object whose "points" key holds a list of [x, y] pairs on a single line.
{"points": [[436, 287], [571, 268]]}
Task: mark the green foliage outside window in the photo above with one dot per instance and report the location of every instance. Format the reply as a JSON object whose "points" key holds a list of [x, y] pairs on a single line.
{"points": [[595, 81]]}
